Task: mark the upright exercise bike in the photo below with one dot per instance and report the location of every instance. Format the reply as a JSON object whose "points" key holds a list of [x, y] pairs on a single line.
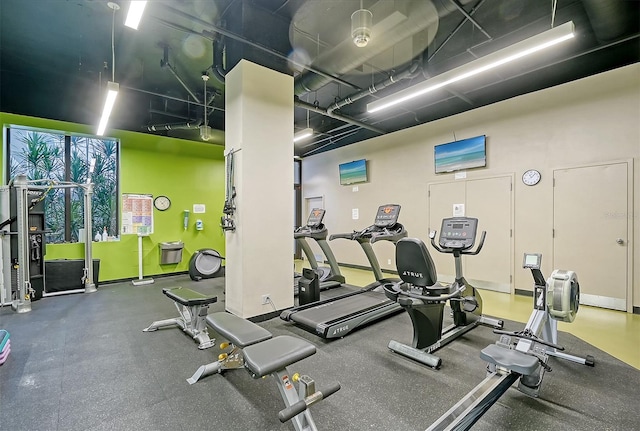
{"points": [[424, 298]]}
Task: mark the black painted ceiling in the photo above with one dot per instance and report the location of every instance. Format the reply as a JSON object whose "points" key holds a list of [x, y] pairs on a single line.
{"points": [[56, 57]]}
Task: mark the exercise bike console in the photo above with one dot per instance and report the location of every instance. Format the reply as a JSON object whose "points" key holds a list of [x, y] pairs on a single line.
{"points": [[458, 234]]}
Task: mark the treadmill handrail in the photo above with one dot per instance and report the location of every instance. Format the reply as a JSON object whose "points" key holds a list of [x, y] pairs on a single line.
{"points": [[393, 234], [306, 232], [373, 233], [342, 236]]}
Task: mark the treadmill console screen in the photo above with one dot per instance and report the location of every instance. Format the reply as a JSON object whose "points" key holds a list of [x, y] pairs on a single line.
{"points": [[315, 217], [387, 215], [458, 232], [532, 260]]}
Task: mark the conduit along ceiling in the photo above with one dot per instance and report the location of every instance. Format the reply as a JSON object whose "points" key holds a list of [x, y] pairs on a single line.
{"points": [[56, 58]]}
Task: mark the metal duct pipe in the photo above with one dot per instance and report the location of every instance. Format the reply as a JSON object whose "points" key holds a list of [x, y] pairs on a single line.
{"points": [[310, 107], [346, 56], [174, 126], [218, 67], [408, 72]]}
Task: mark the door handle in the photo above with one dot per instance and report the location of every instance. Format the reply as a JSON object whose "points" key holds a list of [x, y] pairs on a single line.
{"points": [[620, 241]]}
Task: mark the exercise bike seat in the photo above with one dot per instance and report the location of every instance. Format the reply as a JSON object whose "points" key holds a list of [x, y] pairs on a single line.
{"points": [[510, 359], [275, 354], [416, 267]]}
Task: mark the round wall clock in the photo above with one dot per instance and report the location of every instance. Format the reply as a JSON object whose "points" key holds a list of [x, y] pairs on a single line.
{"points": [[162, 203], [531, 177]]}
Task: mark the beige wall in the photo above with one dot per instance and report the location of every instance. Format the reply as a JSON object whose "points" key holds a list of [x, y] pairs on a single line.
{"points": [[593, 120]]}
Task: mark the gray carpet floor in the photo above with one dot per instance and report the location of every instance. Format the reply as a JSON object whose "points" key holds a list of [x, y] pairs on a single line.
{"points": [[82, 362]]}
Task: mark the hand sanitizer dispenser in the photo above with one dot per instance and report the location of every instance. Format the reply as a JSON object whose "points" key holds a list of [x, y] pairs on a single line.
{"points": [[186, 219]]}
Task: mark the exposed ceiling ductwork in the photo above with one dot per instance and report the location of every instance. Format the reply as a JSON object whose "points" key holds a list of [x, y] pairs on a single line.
{"points": [[410, 40]]}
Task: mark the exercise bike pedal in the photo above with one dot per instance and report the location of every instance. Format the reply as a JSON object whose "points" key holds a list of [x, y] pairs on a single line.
{"points": [[469, 304]]}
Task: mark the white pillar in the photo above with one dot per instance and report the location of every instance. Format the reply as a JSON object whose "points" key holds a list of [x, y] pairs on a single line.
{"points": [[259, 129]]}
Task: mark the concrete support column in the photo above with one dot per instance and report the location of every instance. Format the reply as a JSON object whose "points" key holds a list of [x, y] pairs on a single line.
{"points": [[259, 129]]}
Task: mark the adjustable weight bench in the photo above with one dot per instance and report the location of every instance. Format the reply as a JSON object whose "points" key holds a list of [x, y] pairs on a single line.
{"points": [[193, 308], [254, 348]]}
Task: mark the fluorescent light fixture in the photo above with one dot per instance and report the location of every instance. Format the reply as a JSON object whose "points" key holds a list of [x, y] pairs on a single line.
{"points": [[303, 134], [506, 55], [136, 8], [112, 92]]}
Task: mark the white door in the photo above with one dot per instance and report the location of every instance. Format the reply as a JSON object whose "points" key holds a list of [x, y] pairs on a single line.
{"points": [[591, 231], [490, 201]]}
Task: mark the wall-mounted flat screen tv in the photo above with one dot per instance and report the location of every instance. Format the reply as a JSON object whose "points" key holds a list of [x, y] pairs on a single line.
{"points": [[459, 155], [353, 172]]}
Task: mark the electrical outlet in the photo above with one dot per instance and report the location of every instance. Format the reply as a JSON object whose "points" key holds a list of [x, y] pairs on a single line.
{"points": [[266, 298], [388, 261]]}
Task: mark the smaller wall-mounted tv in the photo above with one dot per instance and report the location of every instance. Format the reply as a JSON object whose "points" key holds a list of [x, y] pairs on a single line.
{"points": [[459, 155], [353, 172]]}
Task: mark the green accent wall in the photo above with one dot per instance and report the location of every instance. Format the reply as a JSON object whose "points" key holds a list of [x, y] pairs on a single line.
{"points": [[188, 172]]}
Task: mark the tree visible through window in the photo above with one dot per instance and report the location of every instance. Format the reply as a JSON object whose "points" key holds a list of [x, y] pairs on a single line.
{"points": [[65, 157]]}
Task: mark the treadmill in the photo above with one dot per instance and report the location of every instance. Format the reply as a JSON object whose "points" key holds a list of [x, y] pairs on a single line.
{"points": [[329, 277], [338, 316]]}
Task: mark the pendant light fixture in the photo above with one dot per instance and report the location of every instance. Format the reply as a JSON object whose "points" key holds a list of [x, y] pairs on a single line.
{"points": [[112, 86], [136, 9]]}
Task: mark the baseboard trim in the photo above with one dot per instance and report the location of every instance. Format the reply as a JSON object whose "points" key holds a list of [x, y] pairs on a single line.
{"points": [[636, 310], [524, 292], [120, 280], [264, 317]]}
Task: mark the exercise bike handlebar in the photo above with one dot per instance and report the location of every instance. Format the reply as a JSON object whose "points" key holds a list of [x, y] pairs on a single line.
{"points": [[389, 287], [459, 250], [297, 408]]}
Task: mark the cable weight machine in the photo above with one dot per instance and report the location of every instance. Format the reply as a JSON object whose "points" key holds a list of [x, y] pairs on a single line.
{"points": [[23, 243]]}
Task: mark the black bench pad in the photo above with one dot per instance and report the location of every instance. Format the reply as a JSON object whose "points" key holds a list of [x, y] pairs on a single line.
{"points": [[237, 330], [275, 354], [188, 297], [510, 359]]}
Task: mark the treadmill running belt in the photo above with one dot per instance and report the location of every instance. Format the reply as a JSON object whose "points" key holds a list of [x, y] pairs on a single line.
{"points": [[341, 308]]}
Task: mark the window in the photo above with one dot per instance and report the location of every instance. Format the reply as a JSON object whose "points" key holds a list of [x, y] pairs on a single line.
{"points": [[60, 156]]}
